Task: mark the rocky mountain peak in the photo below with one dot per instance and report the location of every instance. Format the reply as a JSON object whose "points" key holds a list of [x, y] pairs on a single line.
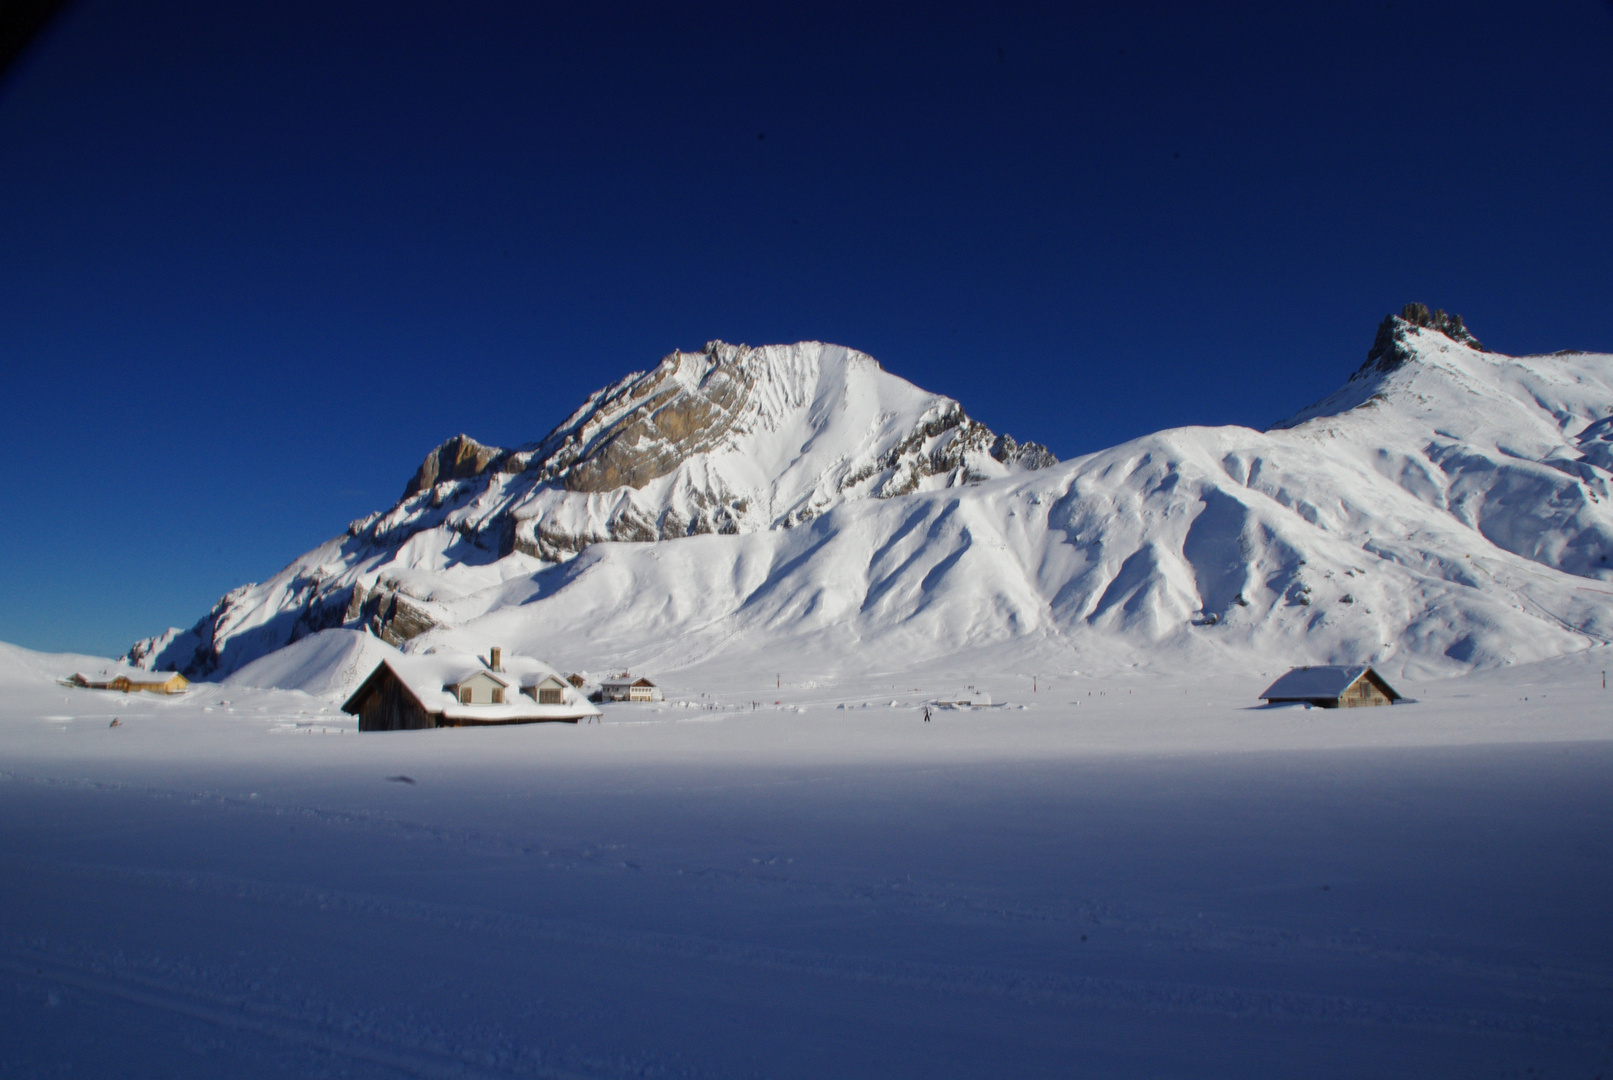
{"points": [[643, 426], [1397, 342], [721, 400], [729, 439], [1391, 348], [459, 458]]}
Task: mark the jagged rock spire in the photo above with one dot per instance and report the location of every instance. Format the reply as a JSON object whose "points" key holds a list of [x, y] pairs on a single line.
{"points": [[1390, 348]]}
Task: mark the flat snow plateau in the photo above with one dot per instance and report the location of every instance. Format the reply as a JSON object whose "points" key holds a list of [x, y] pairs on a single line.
{"points": [[1131, 875]]}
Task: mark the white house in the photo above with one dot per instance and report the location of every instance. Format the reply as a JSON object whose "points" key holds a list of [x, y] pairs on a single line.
{"points": [[627, 688]]}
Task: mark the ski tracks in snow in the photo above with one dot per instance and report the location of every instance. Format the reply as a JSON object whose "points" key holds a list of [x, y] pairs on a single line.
{"points": [[226, 998], [112, 977], [1521, 1000], [892, 896]]}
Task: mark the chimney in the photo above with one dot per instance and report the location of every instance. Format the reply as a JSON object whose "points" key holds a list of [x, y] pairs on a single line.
{"points": [[494, 658]]}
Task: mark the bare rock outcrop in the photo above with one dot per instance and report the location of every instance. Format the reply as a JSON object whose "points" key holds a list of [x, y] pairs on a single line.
{"points": [[1390, 348], [387, 612], [461, 457]]}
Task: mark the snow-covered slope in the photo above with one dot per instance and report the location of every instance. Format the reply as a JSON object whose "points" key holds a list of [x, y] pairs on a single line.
{"points": [[329, 664], [1446, 508]]}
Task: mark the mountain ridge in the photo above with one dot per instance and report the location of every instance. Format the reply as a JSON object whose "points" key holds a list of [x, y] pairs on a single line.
{"points": [[1446, 511]]}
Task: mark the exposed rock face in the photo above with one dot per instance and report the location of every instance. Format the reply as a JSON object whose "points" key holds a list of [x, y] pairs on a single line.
{"points": [[643, 427], [1030, 455], [387, 613], [1391, 348], [673, 451], [459, 458]]}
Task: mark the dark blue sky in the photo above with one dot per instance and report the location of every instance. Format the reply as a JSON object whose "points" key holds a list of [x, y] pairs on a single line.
{"points": [[257, 258]]}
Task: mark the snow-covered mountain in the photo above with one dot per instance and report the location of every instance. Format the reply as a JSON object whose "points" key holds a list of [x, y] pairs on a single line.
{"points": [[1448, 507], [726, 440]]}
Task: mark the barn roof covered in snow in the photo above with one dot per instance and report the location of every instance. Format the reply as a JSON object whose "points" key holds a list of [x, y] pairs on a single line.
{"points": [[1323, 681], [428, 677]]}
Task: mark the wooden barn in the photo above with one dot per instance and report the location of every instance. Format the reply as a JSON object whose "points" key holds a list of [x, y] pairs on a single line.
{"points": [[131, 680], [1332, 686], [410, 692]]}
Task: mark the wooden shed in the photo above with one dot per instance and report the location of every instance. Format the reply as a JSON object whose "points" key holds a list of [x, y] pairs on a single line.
{"points": [[385, 702], [1332, 686]]}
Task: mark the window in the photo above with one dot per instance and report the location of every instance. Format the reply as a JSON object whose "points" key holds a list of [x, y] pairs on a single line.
{"points": [[464, 695], [548, 695], [498, 695]]}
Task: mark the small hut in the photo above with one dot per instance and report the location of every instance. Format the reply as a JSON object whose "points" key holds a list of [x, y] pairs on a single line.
{"points": [[132, 680], [1332, 686]]}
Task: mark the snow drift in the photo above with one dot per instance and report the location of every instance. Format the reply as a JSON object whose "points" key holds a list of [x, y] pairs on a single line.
{"points": [[1447, 508]]}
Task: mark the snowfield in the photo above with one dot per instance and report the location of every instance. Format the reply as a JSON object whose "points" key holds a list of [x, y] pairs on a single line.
{"points": [[788, 873]]}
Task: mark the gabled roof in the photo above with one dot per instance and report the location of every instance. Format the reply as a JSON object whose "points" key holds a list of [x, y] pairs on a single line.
{"points": [[626, 680], [1324, 681], [463, 679], [426, 676]]}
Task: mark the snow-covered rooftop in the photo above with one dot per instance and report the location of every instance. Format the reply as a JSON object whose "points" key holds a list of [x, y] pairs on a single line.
{"points": [[136, 676], [626, 680], [1320, 681], [427, 675]]}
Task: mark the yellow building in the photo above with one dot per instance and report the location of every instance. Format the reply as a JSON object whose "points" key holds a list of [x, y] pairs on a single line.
{"points": [[130, 680]]}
